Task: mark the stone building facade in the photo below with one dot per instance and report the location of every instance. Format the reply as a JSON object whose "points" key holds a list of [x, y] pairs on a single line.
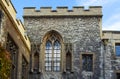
{"points": [[111, 58], [59, 44], [79, 33], [13, 39]]}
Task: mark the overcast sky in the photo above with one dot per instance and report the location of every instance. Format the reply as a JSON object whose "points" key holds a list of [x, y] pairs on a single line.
{"points": [[111, 9]]}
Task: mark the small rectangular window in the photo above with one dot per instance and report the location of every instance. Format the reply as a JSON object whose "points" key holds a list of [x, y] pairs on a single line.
{"points": [[117, 49], [87, 62]]}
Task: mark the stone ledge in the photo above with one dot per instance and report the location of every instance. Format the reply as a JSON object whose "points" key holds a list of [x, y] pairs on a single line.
{"points": [[63, 11]]}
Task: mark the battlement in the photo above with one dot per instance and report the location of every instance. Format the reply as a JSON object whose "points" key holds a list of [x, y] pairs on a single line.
{"points": [[63, 11], [9, 7], [11, 12]]}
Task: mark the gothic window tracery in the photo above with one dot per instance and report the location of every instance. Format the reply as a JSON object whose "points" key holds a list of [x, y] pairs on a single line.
{"points": [[13, 49], [52, 54], [35, 56], [68, 48]]}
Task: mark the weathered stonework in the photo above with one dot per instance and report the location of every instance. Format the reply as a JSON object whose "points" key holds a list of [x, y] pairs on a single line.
{"points": [[79, 32], [111, 60], [12, 39], [82, 31]]}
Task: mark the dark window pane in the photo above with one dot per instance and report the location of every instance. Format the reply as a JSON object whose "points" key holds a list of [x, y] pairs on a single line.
{"points": [[36, 61], [87, 62], [1, 15], [117, 49], [24, 68], [118, 75], [68, 61], [12, 47]]}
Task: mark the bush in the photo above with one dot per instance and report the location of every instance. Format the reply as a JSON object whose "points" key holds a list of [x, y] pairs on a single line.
{"points": [[5, 64]]}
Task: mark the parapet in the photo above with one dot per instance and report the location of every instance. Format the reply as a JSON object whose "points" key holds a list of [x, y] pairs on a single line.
{"points": [[111, 34], [8, 6], [63, 11]]}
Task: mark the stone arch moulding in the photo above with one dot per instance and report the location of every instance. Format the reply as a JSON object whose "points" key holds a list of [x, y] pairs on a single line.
{"points": [[68, 61], [49, 33], [36, 61], [42, 48], [35, 50], [68, 64]]}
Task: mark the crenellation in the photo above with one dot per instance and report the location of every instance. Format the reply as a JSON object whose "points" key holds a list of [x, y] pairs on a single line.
{"points": [[95, 6], [59, 43], [63, 11], [78, 8], [45, 9], [28, 9]]}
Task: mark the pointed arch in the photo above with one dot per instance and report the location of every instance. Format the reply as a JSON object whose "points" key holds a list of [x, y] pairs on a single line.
{"points": [[36, 61], [52, 34], [52, 51], [68, 61]]}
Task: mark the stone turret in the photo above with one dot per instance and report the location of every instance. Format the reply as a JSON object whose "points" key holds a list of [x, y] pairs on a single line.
{"points": [[63, 11]]}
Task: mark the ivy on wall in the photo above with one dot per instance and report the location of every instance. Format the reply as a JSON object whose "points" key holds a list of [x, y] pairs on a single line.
{"points": [[5, 64]]}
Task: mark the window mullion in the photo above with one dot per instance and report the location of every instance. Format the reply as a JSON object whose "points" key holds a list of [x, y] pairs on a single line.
{"points": [[54, 55], [52, 64]]}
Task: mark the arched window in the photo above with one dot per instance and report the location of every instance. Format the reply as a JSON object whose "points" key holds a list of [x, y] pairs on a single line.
{"points": [[36, 61], [68, 61], [52, 54], [12, 47]]}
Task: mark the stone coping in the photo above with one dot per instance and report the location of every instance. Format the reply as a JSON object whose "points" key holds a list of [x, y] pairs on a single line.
{"points": [[63, 11]]}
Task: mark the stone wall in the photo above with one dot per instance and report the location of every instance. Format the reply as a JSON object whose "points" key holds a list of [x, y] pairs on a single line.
{"points": [[12, 29], [112, 61], [63, 11], [82, 32]]}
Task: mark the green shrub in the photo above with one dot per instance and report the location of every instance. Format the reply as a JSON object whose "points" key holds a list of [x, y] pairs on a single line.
{"points": [[5, 64]]}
